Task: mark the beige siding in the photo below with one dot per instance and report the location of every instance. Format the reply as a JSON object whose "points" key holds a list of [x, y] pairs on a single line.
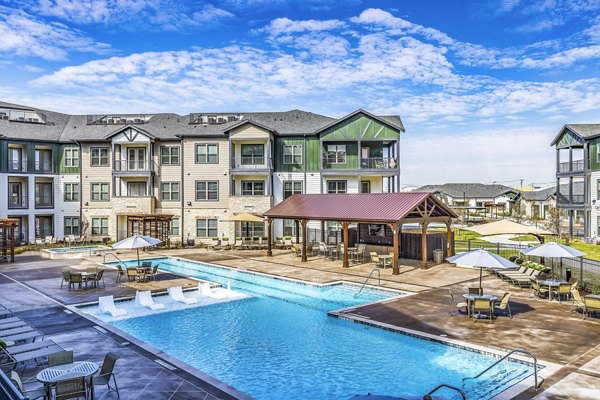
{"points": [[248, 131], [166, 173], [89, 175]]}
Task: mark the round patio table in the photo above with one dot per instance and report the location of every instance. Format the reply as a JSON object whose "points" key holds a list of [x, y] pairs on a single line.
{"points": [[384, 259], [470, 297], [51, 375], [550, 283]]}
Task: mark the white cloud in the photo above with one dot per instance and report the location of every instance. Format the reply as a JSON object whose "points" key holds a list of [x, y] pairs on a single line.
{"points": [[123, 14], [25, 35], [32, 68], [281, 26]]}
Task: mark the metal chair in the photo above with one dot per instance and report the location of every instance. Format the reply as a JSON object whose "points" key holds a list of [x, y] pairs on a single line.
{"points": [[132, 274], [71, 389], [154, 272], [504, 305], [564, 289], [483, 305], [377, 263], [66, 278], [120, 272], [60, 358], [75, 278], [476, 291], [106, 372], [592, 305], [577, 302], [30, 393], [99, 278], [457, 304]]}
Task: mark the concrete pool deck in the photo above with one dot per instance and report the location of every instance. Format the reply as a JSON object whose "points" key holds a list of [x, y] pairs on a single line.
{"points": [[548, 329]]}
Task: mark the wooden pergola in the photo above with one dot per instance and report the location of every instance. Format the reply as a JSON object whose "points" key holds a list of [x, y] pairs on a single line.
{"points": [[391, 209], [7, 237], [156, 225]]}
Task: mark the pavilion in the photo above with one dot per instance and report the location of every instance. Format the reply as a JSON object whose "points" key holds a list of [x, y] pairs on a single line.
{"points": [[7, 238], [388, 209]]}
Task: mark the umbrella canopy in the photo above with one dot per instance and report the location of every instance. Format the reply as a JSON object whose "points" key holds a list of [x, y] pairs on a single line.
{"points": [[553, 250], [481, 258], [505, 226], [135, 242], [244, 217]]}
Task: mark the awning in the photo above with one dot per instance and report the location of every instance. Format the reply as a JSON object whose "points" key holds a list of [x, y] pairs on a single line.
{"points": [[506, 227]]}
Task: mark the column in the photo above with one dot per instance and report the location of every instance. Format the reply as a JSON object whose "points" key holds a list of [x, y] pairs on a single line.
{"points": [[449, 248], [395, 262], [297, 231], [269, 237], [345, 225], [304, 223], [424, 245]]}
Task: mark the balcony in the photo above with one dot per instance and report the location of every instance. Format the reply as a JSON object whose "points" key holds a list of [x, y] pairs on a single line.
{"points": [[379, 163], [133, 167], [125, 205], [121, 119], [251, 163], [575, 166], [29, 116], [43, 166], [17, 165], [18, 202], [575, 200]]}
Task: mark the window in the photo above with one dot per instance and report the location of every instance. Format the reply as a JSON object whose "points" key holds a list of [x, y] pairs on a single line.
{"points": [[100, 192], [136, 189], [71, 191], [99, 226], [207, 190], [206, 228], [292, 154], [365, 186], [169, 155], [72, 226], [336, 186], [252, 229], [207, 154], [43, 195], [99, 156], [289, 229], [44, 226], [291, 187], [17, 196], [174, 227], [336, 153], [598, 188], [169, 191], [253, 154], [43, 160], [253, 188], [71, 157], [15, 160]]}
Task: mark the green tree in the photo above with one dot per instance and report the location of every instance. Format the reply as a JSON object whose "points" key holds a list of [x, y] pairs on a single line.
{"points": [[518, 210]]}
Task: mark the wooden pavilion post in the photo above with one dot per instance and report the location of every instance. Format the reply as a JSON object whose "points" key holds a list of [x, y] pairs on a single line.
{"points": [[424, 244], [345, 225], [449, 251], [269, 237], [297, 228], [304, 223], [12, 243], [395, 262]]}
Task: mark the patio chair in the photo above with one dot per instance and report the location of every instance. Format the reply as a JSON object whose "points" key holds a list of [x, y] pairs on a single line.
{"points": [[504, 305], [591, 305], [99, 278], [246, 243], [60, 358], [176, 294], [206, 291], [296, 250], [564, 289], [106, 372], [483, 305], [144, 299], [375, 260], [75, 279], [538, 290], [49, 239], [255, 243], [287, 242], [322, 248], [476, 291], [359, 254], [577, 302], [29, 392], [154, 272], [106, 304], [91, 270], [132, 274], [215, 244], [279, 242], [66, 278], [238, 244], [120, 273], [71, 389], [225, 245], [457, 304]]}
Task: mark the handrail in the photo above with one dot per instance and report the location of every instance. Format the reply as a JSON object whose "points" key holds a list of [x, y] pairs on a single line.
{"points": [[115, 256], [369, 277], [535, 363], [428, 395]]}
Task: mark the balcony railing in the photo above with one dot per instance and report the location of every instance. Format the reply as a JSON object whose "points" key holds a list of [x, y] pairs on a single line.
{"points": [[44, 202], [17, 165], [43, 166], [575, 166], [22, 116], [15, 201], [578, 199], [379, 163], [250, 162], [134, 119], [133, 166]]}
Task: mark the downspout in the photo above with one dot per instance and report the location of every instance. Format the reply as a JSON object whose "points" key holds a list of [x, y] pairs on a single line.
{"points": [[182, 197]]}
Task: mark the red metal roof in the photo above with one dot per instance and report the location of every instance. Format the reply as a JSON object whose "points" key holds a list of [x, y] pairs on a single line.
{"points": [[363, 207]]}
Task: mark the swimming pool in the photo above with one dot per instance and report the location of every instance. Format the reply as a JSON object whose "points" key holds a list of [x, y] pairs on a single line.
{"points": [[73, 252], [280, 343]]}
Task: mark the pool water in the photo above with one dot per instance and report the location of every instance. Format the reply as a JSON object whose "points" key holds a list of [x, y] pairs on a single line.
{"points": [[280, 343], [79, 249]]}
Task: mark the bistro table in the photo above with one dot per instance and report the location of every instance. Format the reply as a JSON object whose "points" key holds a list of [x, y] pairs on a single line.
{"points": [[471, 297], [384, 259], [144, 272], [87, 277], [51, 375], [550, 283]]}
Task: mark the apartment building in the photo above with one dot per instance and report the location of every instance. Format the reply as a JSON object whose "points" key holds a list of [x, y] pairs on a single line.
{"points": [[112, 175], [578, 178]]}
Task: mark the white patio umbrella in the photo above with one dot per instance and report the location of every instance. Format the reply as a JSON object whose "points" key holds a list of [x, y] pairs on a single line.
{"points": [[553, 250], [481, 258], [135, 242]]}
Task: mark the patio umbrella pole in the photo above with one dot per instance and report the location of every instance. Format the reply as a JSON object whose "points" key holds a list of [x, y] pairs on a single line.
{"points": [[138, 255]]}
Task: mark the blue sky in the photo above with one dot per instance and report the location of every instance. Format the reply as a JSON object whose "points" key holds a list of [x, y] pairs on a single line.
{"points": [[482, 87]]}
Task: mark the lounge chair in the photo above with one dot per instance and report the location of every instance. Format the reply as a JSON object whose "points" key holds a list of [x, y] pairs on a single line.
{"points": [[457, 304], [33, 356], [176, 294], [23, 337], [246, 243], [29, 392], [483, 305], [106, 372], [205, 290], [288, 242], [16, 331], [279, 242], [238, 244], [577, 302], [592, 304], [9, 320], [5, 313], [215, 244], [504, 305], [60, 358], [27, 347], [11, 325], [107, 305], [225, 245], [144, 299], [71, 389], [296, 250], [538, 290]]}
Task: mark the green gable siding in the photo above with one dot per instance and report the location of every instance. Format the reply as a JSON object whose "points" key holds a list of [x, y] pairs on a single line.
{"points": [[568, 139], [593, 154], [3, 156], [351, 156], [286, 141], [59, 156], [360, 127], [313, 154]]}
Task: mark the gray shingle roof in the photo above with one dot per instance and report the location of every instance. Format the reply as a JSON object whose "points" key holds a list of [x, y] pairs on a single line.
{"points": [[539, 195], [585, 131], [469, 190], [165, 126]]}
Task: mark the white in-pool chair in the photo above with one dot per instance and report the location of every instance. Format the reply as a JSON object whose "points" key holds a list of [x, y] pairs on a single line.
{"points": [[107, 305], [205, 290], [176, 294], [144, 299]]}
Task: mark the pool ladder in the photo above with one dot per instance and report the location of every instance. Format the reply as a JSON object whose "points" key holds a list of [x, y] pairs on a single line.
{"points": [[537, 382], [443, 385], [115, 256], [369, 277]]}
